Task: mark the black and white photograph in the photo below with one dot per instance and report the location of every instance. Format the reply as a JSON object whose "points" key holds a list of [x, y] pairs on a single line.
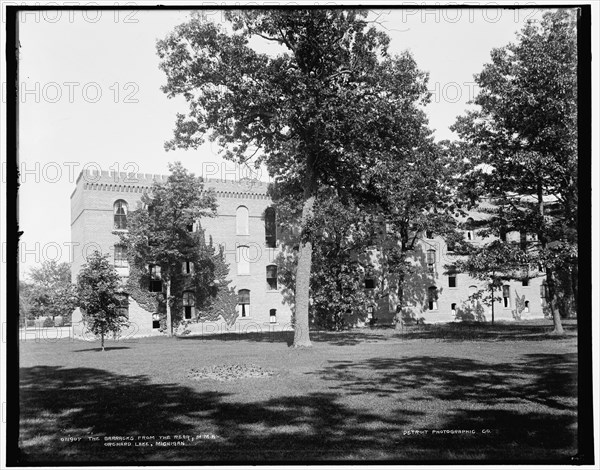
{"points": [[299, 234]]}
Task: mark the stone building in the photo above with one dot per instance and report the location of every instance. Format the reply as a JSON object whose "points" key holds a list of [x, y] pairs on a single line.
{"points": [[245, 226]]}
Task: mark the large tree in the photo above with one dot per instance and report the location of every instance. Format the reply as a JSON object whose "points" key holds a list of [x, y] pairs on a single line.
{"points": [[100, 297], [165, 240], [324, 105], [51, 292], [525, 134], [341, 235], [418, 194]]}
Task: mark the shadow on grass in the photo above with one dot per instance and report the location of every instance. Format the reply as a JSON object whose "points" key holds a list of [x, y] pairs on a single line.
{"points": [[59, 403], [529, 407], [337, 338], [446, 332], [106, 348], [478, 331]]}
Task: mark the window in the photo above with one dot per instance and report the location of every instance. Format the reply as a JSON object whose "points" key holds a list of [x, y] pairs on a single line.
{"points": [[270, 228], [453, 309], [190, 227], [370, 312], [273, 315], [155, 320], [526, 309], [523, 240], [452, 276], [155, 278], [543, 292], [187, 267], [241, 220], [189, 301], [503, 233], [431, 261], [469, 227], [432, 296], [123, 305], [472, 295], [243, 260], [120, 215], [369, 278], [541, 268], [244, 303], [525, 282], [121, 256], [428, 234], [506, 296], [272, 277]]}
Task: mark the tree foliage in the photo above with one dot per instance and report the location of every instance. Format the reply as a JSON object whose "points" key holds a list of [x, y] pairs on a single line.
{"points": [[524, 131], [50, 291], [166, 232], [323, 108], [100, 297], [494, 263]]}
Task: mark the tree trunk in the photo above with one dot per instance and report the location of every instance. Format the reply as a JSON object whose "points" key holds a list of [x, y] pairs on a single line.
{"points": [[168, 306], [399, 320], [301, 332], [492, 304], [558, 328], [102, 341]]}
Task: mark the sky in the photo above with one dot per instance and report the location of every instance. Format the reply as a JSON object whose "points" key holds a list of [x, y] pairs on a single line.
{"points": [[90, 98]]}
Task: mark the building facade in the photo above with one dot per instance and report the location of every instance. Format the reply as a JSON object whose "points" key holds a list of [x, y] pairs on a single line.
{"points": [[245, 226]]}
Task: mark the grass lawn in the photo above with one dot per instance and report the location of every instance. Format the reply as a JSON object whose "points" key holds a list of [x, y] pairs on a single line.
{"points": [[362, 395]]}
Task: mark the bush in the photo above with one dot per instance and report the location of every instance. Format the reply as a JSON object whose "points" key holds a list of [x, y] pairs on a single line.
{"points": [[48, 323]]}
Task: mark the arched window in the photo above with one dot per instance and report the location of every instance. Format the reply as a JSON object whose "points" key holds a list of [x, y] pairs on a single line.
{"points": [[270, 228], [243, 303], [189, 302], [120, 214], [453, 309], [431, 261], [469, 227], [432, 296], [273, 315], [241, 220], [272, 277], [155, 320], [506, 296], [472, 294], [243, 260], [526, 309], [369, 278]]}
